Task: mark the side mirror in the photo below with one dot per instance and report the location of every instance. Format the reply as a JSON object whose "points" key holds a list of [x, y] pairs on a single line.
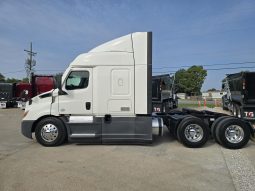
{"points": [[60, 90]]}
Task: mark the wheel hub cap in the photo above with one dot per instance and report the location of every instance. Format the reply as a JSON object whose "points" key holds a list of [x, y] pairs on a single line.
{"points": [[49, 132], [234, 134], [194, 133]]}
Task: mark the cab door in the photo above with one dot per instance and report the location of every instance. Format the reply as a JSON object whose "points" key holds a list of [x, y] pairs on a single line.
{"points": [[77, 99]]}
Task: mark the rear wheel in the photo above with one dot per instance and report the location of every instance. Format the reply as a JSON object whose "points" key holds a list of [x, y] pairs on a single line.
{"points": [[215, 125], [193, 132], [176, 135], [233, 133], [50, 131]]}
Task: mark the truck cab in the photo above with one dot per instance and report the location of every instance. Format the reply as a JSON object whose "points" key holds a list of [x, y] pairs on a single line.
{"points": [[105, 97]]}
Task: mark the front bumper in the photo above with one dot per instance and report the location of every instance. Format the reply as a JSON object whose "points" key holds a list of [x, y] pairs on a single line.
{"points": [[26, 128]]}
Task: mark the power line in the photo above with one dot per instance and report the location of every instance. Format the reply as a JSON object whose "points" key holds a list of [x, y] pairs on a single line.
{"points": [[173, 71], [231, 68], [186, 66], [212, 69], [19, 71]]}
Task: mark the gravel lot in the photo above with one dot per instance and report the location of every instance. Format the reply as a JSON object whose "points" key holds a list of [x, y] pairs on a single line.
{"points": [[164, 165]]}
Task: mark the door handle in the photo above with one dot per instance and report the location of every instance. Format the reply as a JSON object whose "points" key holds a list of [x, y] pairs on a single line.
{"points": [[88, 105]]}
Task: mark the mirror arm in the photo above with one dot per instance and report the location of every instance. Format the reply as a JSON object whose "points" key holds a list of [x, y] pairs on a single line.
{"points": [[60, 90]]}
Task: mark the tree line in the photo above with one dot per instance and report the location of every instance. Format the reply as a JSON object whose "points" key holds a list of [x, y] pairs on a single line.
{"points": [[11, 80]]}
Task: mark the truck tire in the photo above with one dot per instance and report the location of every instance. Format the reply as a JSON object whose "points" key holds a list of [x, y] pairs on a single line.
{"points": [[176, 135], [214, 126], [50, 132], [193, 132], [232, 133]]}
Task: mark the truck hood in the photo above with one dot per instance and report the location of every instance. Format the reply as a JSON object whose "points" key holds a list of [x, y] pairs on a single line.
{"points": [[44, 98], [43, 95]]}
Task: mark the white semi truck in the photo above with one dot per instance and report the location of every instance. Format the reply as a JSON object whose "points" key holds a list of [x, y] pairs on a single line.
{"points": [[106, 97]]}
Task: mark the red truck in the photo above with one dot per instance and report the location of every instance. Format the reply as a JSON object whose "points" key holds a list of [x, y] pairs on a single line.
{"points": [[41, 84], [24, 91]]}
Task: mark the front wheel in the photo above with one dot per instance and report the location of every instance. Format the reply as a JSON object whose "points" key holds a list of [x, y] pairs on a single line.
{"points": [[50, 131]]}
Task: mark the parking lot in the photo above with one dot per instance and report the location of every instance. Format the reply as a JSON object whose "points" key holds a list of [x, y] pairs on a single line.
{"points": [[164, 165]]}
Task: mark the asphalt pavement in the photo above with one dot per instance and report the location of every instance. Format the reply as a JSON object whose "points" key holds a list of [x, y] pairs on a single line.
{"points": [[164, 165]]}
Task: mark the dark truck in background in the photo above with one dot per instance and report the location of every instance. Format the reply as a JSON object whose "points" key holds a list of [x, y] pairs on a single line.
{"points": [[240, 97], [17, 94], [163, 93], [6, 95]]}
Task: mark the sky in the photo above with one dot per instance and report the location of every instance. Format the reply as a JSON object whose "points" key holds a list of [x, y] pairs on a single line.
{"points": [[185, 33]]}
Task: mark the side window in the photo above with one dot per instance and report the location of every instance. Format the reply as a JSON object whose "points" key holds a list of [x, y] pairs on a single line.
{"points": [[77, 80]]}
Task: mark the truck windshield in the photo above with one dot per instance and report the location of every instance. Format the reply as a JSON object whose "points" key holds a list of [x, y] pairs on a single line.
{"points": [[166, 83]]}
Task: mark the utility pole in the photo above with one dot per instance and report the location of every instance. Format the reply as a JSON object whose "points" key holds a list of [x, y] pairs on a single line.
{"points": [[30, 63]]}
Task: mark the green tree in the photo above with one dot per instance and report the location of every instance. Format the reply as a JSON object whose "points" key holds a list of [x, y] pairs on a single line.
{"points": [[191, 80], [25, 80], [2, 78], [180, 80], [212, 90], [12, 80]]}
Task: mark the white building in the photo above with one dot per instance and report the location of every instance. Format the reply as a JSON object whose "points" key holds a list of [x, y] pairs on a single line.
{"points": [[181, 95], [213, 94]]}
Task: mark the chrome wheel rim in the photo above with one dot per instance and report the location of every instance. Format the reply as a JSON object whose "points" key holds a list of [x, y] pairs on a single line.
{"points": [[194, 133], [49, 132], [234, 134]]}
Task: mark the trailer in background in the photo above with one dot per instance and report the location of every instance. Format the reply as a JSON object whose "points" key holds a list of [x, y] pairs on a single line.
{"points": [[17, 94], [240, 97], [7, 95]]}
